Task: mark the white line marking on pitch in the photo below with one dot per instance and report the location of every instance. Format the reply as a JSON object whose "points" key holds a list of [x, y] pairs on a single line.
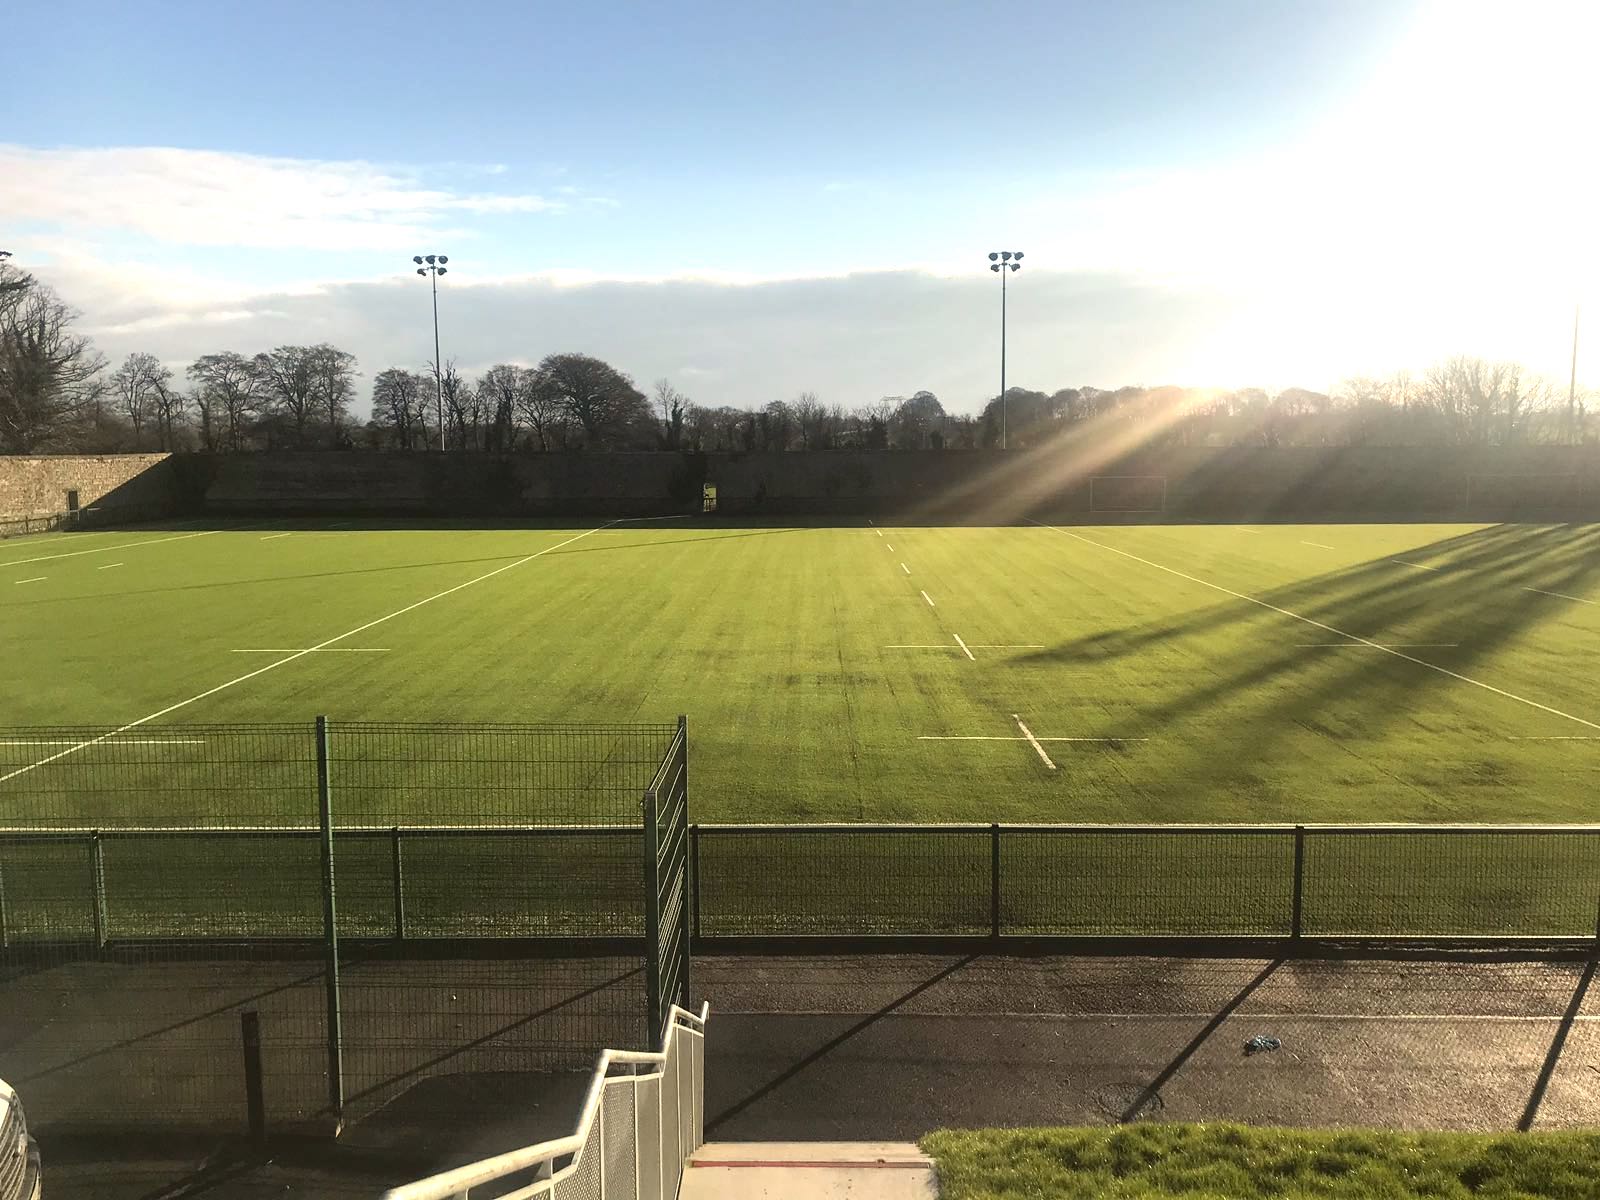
{"points": [[1217, 587], [996, 737], [879, 532], [1558, 595], [1318, 545], [929, 599], [891, 549], [1242, 529], [272, 537], [35, 579], [905, 568], [963, 646], [118, 742], [1008, 645], [321, 650], [1241, 1015], [17, 562], [108, 566], [920, 646], [1033, 741], [1376, 646], [272, 666], [1414, 566], [1557, 737]]}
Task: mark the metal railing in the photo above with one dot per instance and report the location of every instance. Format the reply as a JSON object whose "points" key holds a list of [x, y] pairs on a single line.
{"points": [[635, 1132]]}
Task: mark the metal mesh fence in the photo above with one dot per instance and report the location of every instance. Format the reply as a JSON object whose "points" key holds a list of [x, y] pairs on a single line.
{"points": [[1428, 882], [156, 882]]}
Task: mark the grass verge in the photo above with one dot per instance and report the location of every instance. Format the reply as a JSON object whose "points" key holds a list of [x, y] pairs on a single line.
{"points": [[1213, 1162]]}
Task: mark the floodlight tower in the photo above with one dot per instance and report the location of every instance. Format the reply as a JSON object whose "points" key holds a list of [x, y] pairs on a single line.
{"points": [[1003, 262], [433, 266]]}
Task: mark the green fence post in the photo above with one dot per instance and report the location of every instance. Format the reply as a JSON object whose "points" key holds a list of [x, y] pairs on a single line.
{"points": [[994, 881], [97, 882], [685, 917], [330, 932], [694, 879], [1295, 917], [652, 920], [399, 888]]}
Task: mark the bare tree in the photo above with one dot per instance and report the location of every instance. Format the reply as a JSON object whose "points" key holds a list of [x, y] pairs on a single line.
{"points": [[333, 379], [171, 409], [809, 418], [399, 404], [497, 392], [673, 406], [288, 378], [134, 387], [228, 397], [462, 407], [49, 376]]}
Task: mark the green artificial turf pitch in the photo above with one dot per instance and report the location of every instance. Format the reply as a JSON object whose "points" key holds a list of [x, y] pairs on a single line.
{"points": [[1216, 662]]}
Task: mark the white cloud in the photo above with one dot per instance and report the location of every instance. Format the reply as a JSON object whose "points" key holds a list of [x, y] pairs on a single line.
{"points": [[212, 198]]}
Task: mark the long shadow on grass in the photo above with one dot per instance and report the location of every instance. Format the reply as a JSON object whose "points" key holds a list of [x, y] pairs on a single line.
{"points": [[833, 1044], [1475, 597]]}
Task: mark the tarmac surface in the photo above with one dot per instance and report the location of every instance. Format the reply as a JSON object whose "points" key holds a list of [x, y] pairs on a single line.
{"points": [[890, 1047]]}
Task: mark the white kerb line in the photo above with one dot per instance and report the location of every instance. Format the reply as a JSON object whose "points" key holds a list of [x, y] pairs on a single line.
{"points": [[905, 568], [1217, 587], [931, 604], [963, 646], [272, 666], [1033, 741]]}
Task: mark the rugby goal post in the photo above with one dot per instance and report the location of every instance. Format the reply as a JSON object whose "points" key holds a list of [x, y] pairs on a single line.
{"points": [[1127, 493]]}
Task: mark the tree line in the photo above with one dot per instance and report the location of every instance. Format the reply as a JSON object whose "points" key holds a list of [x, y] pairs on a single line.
{"points": [[58, 393]]}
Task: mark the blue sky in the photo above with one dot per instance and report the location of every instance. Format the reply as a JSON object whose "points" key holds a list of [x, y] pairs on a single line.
{"points": [[258, 173]]}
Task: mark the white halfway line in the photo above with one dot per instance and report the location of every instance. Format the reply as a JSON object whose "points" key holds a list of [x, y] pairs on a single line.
{"points": [[273, 666], [118, 742], [929, 599], [1217, 587], [108, 566], [1033, 741], [905, 568], [35, 579], [963, 646], [322, 650], [1318, 545], [1558, 595]]}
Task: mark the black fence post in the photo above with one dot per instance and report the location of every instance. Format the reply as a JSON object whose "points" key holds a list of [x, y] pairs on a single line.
{"points": [[255, 1103], [652, 920], [330, 932], [994, 881], [399, 887], [97, 881], [1298, 913], [5, 934]]}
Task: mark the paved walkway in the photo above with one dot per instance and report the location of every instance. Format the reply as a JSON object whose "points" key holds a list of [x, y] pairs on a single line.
{"points": [[809, 1171]]}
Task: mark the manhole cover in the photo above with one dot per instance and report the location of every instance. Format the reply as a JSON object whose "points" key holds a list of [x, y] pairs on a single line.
{"points": [[1128, 1102]]}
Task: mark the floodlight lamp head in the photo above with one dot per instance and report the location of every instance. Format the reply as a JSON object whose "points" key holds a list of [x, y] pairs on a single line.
{"points": [[1016, 254], [444, 258], [430, 258], [1005, 256], [422, 270], [1016, 266], [417, 258], [444, 270], [993, 256], [995, 267]]}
